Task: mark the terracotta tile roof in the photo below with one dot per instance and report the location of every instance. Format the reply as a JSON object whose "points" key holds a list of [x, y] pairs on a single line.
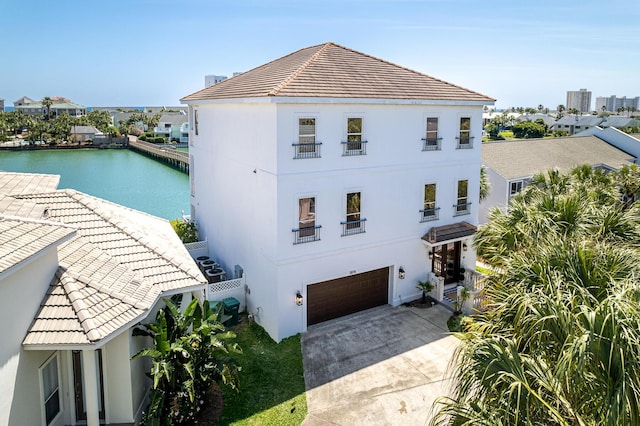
{"points": [[333, 71], [22, 238], [27, 183], [110, 274]]}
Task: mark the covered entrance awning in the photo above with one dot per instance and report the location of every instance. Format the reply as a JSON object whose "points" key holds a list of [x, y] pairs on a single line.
{"points": [[439, 235]]}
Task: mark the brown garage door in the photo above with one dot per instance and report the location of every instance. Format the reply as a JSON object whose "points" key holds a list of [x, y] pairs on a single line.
{"points": [[342, 296]]}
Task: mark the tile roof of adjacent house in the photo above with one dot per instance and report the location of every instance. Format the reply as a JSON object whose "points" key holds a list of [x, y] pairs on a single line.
{"points": [[110, 273], [526, 157], [20, 239], [27, 183], [333, 71], [583, 120]]}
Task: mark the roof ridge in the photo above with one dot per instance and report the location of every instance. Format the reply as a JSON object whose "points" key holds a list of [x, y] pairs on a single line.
{"points": [[296, 73]]}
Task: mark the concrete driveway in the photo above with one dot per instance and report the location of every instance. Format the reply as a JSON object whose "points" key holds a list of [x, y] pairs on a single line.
{"points": [[383, 366]]}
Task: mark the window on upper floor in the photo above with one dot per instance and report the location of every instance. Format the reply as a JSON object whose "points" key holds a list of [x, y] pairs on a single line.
{"points": [[195, 121], [515, 188], [465, 140], [431, 142], [429, 211], [462, 205], [307, 147], [354, 223], [355, 145], [50, 388], [307, 230]]}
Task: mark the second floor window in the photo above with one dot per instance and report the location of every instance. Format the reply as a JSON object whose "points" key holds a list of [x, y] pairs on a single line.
{"points": [[431, 141], [354, 145], [429, 211], [464, 138], [307, 147], [354, 223], [462, 205], [515, 188], [307, 230]]}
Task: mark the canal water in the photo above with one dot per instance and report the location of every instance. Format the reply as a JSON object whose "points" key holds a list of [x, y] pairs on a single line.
{"points": [[118, 175]]}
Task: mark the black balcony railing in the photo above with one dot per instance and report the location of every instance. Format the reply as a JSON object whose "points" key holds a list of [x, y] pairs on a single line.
{"points": [[427, 215], [306, 235], [431, 144], [306, 150], [465, 142], [354, 148], [461, 209], [353, 227]]}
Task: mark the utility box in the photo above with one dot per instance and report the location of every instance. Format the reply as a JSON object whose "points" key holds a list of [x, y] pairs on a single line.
{"points": [[231, 307]]}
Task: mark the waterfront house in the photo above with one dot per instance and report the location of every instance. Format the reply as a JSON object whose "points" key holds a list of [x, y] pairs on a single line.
{"points": [[510, 165], [319, 172], [58, 107], [76, 274], [170, 125], [83, 133]]}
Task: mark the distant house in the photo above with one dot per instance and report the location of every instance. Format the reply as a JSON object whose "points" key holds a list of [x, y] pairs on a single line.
{"points": [[76, 274], [170, 125], [510, 165], [336, 180], [573, 124], [83, 133], [58, 107], [546, 118]]}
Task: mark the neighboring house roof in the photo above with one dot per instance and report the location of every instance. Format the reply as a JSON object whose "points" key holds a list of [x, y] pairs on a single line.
{"points": [[579, 120], [617, 121], [523, 158], [59, 105], [332, 71], [548, 120], [25, 100], [175, 119], [90, 130], [27, 183], [112, 270], [20, 239]]}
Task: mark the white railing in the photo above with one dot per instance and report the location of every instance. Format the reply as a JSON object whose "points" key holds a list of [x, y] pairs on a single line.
{"points": [[229, 288], [474, 282], [197, 249]]}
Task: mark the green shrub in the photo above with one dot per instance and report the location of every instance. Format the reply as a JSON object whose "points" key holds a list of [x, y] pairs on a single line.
{"points": [[186, 230], [143, 137]]}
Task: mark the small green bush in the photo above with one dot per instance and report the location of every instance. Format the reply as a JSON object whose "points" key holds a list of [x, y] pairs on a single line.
{"points": [[186, 229]]}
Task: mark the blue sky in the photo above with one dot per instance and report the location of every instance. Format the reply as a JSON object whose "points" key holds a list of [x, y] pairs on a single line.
{"points": [[152, 52]]}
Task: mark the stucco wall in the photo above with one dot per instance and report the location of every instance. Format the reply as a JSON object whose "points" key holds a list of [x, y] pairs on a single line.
{"points": [[498, 196], [117, 378], [247, 217]]}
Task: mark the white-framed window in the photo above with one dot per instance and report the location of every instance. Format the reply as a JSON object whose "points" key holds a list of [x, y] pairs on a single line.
{"points": [[307, 230], [429, 211], [50, 389], [462, 205], [195, 121], [306, 147], [354, 222], [515, 187], [431, 139], [355, 143], [465, 140]]}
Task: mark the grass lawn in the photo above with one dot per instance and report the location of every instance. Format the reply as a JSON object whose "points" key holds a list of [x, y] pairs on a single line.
{"points": [[271, 381]]}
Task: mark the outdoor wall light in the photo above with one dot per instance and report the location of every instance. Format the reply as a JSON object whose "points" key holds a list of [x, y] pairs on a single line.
{"points": [[464, 246], [298, 298], [430, 255], [401, 273]]}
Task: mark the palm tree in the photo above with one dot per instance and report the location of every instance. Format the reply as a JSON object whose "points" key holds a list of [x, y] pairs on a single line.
{"points": [[485, 185], [46, 103], [559, 342]]}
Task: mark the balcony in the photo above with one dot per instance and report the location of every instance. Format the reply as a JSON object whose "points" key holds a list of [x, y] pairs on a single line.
{"points": [[431, 144], [306, 150], [461, 209], [353, 227], [354, 148], [464, 142], [306, 235], [427, 215]]}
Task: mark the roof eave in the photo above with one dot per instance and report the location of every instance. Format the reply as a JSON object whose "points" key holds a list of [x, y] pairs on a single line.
{"points": [[338, 100]]}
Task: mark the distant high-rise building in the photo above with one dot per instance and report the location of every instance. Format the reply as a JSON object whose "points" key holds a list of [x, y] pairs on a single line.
{"points": [[612, 103], [1, 105], [210, 80], [581, 100]]}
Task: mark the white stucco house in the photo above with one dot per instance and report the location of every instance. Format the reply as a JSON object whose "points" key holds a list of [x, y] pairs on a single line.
{"points": [[335, 180], [76, 274]]}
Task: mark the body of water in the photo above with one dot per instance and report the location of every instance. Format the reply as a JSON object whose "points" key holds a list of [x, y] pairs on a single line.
{"points": [[117, 175]]}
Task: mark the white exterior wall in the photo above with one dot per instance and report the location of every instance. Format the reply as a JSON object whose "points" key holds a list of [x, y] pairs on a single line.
{"points": [[247, 217], [118, 386], [21, 293], [498, 195]]}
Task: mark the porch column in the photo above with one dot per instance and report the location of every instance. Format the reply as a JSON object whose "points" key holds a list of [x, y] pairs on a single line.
{"points": [[91, 391], [186, 299]]}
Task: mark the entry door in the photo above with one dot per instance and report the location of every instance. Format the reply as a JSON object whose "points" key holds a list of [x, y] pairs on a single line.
{"points": [[78, 369], [446, 261]]}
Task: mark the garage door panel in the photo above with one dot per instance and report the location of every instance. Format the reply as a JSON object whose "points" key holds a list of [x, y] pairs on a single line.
{"points": [[343, 296]]}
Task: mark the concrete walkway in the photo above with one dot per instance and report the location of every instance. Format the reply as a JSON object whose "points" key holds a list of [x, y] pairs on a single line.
{"points": [[384, 366]]}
